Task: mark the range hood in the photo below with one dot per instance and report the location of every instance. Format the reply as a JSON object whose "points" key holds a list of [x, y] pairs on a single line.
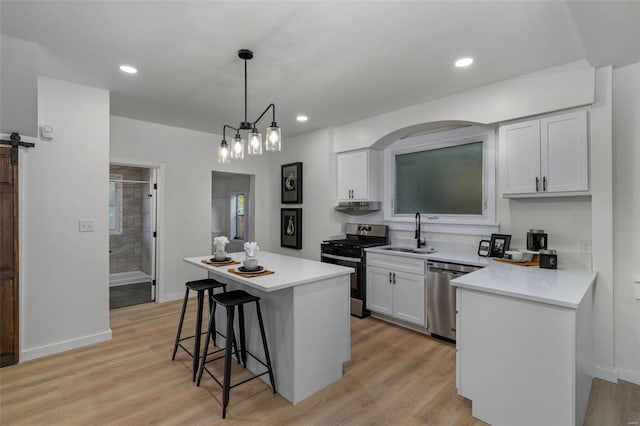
{"points": [[358, 207]]}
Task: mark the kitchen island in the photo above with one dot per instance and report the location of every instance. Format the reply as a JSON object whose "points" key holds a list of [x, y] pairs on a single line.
{"points": [[305, 307], [525, 343]]}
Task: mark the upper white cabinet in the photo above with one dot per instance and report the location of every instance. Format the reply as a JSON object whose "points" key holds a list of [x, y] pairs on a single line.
{"points": [[359, 176], [548, 156]]}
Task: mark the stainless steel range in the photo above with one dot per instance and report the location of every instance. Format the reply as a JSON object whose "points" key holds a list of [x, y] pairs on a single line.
{"points": [[350, 252]]}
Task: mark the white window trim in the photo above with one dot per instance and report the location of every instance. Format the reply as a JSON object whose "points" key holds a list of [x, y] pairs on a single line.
{"points": [[456, 224], [119, 205]]}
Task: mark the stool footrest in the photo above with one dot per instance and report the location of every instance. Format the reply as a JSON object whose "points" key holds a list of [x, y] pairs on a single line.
{"points": [[186, 350], [255, 376], [204, 333]]}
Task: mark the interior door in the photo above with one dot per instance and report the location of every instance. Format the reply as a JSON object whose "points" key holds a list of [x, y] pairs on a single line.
{"points": [[9, 330]]}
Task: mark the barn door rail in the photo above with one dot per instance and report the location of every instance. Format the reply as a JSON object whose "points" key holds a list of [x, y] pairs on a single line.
{"points": [[16, 142]]}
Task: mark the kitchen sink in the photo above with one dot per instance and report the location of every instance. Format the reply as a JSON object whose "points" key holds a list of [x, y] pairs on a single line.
{"points": [[411, 250]]}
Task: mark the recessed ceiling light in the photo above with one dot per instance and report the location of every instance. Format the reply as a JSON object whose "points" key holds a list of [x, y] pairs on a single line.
{"points": [[464, 62], [302, 118], [128, 69]]}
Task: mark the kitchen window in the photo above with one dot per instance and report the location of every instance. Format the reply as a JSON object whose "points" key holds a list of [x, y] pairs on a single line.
{"points": [[449, 177]]}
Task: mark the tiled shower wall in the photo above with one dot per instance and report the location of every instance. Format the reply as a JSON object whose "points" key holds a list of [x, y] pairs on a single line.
{"points": [[131, 250]]}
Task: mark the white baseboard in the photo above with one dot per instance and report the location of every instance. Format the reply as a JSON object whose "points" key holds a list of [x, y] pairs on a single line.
{"points": [[629, 375], [610, 375], [65, 345]]}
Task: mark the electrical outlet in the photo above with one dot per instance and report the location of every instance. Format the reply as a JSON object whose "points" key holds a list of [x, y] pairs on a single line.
{"points": [[86, 225], [585, 246]]}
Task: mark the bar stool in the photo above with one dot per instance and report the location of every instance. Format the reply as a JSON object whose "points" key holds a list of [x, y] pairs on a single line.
{"points": [[230, 300], [199, 286]]}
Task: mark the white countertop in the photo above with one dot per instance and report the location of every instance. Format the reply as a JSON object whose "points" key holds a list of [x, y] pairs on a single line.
{"points": [[289, 271], [443, 256], [560, 287]]}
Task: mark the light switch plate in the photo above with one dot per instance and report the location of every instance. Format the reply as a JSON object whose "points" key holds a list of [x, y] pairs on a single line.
{"points": [[86, 225]]}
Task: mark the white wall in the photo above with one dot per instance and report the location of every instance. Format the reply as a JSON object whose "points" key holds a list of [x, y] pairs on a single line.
{"points": [[18, 86], [189, 158], [64, 273], [601, 184], [626, 220], [553, 89], [566, 220], [319, 174]]}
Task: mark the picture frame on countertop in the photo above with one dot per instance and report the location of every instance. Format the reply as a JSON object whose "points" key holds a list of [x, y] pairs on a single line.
{"points": [[484, 248], [291, 228], [499, 244], [291, 185]]}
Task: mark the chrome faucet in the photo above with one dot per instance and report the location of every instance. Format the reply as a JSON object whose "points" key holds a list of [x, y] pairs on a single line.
{"points": [[421, 243]]}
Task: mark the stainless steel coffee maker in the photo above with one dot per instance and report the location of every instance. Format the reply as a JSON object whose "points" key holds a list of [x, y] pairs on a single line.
{"points": [[536, 240]]}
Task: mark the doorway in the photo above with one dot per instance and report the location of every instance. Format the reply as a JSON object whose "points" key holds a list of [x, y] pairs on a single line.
{"points": [[232, 209], [132, 235]]}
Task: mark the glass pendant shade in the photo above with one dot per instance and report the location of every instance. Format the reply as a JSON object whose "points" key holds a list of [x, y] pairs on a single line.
{"points": [[255, 143], [273, 138], [224, 156], [237, 148]]}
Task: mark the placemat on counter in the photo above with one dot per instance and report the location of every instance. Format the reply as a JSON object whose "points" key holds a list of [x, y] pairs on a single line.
{"points": [[532, 262], [218, 264], [261, 274]]}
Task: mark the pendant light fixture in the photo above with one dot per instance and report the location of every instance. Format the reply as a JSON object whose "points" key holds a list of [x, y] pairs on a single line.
{"points": [[273, 134]]}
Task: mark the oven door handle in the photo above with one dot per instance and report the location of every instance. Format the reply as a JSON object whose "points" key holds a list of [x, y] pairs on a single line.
{"points": [[346, 259]]}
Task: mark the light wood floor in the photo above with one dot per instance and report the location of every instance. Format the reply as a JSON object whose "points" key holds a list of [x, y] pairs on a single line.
{"points": [[395, 376]]}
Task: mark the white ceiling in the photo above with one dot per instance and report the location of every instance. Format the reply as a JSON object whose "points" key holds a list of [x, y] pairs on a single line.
{"points": [[336, 61]]}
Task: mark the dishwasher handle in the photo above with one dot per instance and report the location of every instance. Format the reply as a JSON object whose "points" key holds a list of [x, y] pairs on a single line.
{"points": [[447, 272]]}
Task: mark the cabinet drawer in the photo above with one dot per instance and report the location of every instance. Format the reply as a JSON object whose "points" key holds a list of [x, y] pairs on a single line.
{"points": [[397, 263]]}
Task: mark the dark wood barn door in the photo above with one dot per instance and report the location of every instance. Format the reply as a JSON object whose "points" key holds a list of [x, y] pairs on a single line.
{"points": [[9, 329]]}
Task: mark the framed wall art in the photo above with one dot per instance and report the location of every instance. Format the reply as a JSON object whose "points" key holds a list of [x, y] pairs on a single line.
{"points": [[291, 228], [291, 177], [499, 244]]}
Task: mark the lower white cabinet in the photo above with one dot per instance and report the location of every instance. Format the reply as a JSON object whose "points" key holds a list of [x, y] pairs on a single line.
{"points": [[522, 362], [396, 293], [379, 290]]}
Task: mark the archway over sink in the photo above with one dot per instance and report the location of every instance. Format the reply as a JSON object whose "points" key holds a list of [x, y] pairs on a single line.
{"points": [[419, 129]]}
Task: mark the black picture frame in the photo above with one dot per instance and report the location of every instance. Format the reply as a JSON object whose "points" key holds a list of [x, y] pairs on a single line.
{"points": [[291, 183], [499, 244], [291, 228]]}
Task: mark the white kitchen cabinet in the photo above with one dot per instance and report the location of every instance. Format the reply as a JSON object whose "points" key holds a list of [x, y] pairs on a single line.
{"points": [[379, 290], [359, 177], [547, 156], [396, 287], [409, 297], [524, 362]]}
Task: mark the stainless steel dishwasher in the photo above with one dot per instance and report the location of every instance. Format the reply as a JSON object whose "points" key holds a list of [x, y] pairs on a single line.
{"points": [[441, 297]]}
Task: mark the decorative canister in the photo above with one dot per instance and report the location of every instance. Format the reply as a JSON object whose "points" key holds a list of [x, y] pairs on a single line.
{"points": [[536, 240], [548, 259]]}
